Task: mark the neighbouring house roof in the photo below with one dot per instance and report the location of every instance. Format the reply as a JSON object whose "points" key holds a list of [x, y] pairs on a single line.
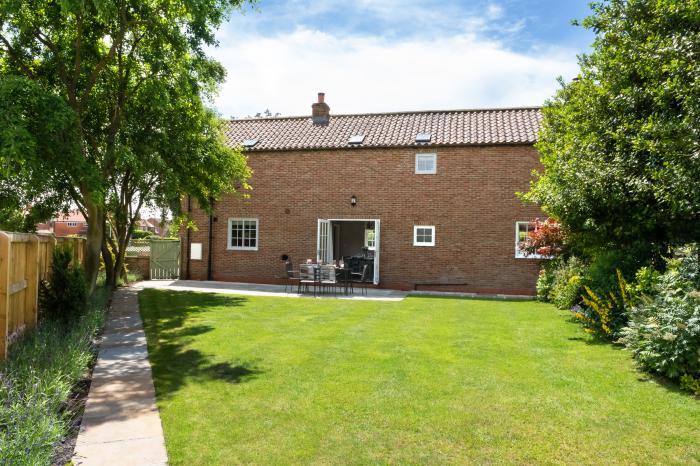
{"points": [[72, 216], [450, 127]]}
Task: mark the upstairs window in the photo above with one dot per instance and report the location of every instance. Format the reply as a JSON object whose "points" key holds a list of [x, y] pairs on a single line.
{"points": [[426, 164], [72, 224], [243, 234], [424, 235]]}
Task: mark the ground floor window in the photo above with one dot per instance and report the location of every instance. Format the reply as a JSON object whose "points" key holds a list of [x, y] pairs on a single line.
{"points": [[424, 235], [522, 229], [243, 234]]}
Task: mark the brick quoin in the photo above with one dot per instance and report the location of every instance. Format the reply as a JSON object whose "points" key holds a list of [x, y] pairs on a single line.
{"points": [[471, 201]]}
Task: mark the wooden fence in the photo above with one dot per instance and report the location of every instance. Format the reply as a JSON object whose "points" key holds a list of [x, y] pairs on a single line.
{"points": [[25, 260]]}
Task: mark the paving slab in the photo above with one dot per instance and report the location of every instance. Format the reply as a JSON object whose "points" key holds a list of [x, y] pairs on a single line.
{"points": [[121, 424]]}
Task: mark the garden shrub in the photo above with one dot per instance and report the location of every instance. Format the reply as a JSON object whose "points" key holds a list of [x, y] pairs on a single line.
{"points": [[545, 281], [605, 314], [37, 380], [63, 295], [141, 234], [663, 332], [567, 284]]}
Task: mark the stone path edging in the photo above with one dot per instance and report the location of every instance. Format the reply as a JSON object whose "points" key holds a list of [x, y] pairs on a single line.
{"points": [[121, 424]]}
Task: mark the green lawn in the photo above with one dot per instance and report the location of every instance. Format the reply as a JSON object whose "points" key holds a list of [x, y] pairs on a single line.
{"points": [[250, 380]]}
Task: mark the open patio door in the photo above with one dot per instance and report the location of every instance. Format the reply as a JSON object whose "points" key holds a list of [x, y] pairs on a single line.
{"points": [[377, 239], [324, 245]]}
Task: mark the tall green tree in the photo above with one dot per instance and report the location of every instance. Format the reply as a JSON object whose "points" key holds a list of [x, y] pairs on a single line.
{"points": [[621, 144], [37, 131], [135, 75]]}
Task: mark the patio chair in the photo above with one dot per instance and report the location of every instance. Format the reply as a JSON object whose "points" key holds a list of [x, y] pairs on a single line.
{"points": [[291, 278], [361, 279], [328, 278], [309, 276]]}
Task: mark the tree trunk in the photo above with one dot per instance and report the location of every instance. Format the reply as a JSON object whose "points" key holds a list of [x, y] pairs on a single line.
{"points": [[120, 253], [95, 236], [109, 264]]}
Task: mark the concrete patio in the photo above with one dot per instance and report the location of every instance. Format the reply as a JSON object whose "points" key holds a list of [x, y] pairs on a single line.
{"points": [[252, 289]]}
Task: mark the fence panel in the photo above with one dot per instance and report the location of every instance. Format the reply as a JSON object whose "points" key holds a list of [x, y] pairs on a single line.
{"points": [[25, 260]]}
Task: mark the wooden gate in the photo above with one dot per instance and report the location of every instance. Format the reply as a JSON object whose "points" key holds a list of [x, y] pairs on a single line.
{"points": [[165, 259]]}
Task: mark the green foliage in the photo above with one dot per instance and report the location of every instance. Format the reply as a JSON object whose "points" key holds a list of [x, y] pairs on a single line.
{"points": [[141, 234], [63, 296], [545, 282], [37, 380], [566, 282], [619, 145], [37, 131], [605, 314], [664, 332], [119, 90], [690, 383]]}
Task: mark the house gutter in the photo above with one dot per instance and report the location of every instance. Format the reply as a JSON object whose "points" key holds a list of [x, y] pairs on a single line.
{"points": [[211, 239]]}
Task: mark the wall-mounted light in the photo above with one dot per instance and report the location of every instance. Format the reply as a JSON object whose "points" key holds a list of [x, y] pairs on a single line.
{"points": [[353, 200]]}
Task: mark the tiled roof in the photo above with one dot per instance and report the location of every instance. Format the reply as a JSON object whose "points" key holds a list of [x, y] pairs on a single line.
{"points": [[453, 127]]}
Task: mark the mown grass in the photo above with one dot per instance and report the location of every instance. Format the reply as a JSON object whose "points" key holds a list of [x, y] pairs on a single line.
{"points": [[255, 380], [37, 380]]}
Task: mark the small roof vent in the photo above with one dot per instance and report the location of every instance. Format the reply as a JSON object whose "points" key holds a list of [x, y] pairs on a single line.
{"points": [[423, 137], [249, 142], [356, 139]]}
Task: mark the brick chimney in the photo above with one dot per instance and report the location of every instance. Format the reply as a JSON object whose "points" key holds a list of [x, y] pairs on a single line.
{"points": [[320, 111]]}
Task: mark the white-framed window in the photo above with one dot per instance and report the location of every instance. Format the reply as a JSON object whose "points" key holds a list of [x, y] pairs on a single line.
{"points": [[72, 224], [243, 234], [370, 242], [426, 164], [521, 231], [424, 235]]}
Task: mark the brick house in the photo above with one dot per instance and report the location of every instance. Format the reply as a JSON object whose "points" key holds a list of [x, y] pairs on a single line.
{"points": [[72, 223], [427, 199]]}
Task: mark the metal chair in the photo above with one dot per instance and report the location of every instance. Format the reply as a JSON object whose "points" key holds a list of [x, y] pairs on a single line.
{"points": [[309, 275], [291, 278], [328, 278], [361, 279]]}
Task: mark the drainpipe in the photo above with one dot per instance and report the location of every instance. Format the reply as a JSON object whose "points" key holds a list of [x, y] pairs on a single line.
{"points": [[211, 238], [189, 239]]}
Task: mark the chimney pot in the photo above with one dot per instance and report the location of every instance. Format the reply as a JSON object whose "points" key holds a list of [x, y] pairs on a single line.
{"points": [[320, 111]]}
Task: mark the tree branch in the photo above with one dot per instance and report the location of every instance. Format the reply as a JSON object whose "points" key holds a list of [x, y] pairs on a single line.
{"points": [[16, 57]]}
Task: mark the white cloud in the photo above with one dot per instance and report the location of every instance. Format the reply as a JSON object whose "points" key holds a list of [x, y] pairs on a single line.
{"points": [[372, 74]]}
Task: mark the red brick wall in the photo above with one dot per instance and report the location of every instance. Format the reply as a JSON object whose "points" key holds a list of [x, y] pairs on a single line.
{"points": [[139, 265], [63, 229], [471, 201]]}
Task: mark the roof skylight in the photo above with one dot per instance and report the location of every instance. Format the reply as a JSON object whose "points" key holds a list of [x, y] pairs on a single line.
{"points": [[423, 137], [249, 142], [356, 139]]}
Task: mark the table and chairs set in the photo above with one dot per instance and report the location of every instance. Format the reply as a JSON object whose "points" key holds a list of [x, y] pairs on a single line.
{"points": [[325, 278]]}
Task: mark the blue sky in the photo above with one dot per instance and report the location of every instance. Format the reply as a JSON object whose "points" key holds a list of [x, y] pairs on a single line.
{"points": [[393, 55]]}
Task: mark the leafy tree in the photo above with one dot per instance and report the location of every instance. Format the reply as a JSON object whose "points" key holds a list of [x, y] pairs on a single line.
{"points": [[136, 78], [36, 131], [620, 145]]}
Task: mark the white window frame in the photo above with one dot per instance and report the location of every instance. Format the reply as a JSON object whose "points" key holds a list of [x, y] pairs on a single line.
{"points": [[519, 254], [229, 241], [423, 227], [432, 171], [374, 241], [72, 224]]}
